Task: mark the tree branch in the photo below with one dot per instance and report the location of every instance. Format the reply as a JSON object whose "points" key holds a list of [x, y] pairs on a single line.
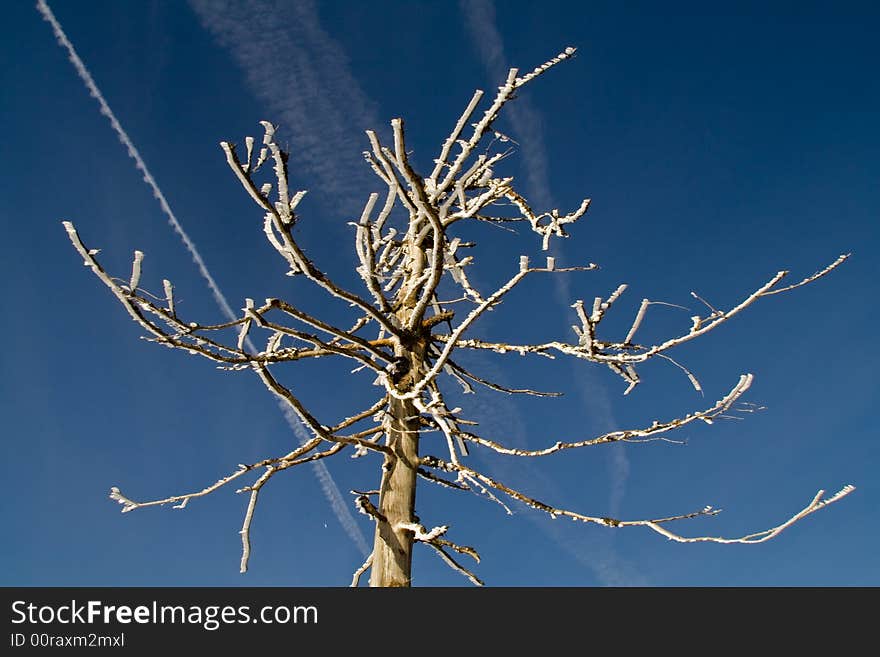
{"points": [[654, 524], [620, 355], [655, 430], [316, 427], [283, 222]]}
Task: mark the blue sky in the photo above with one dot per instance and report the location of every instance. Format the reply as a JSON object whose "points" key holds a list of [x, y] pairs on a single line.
{"points": [[718, 147]]}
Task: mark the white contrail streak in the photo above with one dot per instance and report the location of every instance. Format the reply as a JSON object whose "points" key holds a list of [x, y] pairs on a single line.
{"points": [[325, 479], [133, 153], [480, 22]]}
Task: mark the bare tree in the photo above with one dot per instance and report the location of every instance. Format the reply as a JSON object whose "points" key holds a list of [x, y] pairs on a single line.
{"points": [[418, 308]]}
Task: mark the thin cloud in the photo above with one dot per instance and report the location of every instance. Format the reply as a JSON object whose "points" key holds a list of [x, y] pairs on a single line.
{"points": [[301, 74], [525, 120], [325, 479]]}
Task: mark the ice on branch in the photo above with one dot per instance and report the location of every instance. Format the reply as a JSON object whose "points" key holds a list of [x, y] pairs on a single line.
{"points": [[136, 271], [127, 504]]}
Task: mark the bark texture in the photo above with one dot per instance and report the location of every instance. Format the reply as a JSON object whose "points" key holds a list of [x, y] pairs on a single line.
{"points": [[392, 552]]}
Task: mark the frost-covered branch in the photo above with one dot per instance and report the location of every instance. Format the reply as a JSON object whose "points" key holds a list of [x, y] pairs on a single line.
{"points": [[168, 329], [129, 504], [622, 356], [366, 253], [809, 279], [310, 422], [255, 488], [455, 367], [282, 219], [652, 432], [452, 563], [655, 524], [434, 539], [356, 578], [271, 466], [420, 197], [490, 189], [818, 502]]}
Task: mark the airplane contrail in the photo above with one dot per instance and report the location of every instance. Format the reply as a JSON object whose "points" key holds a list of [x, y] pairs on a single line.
{"points": [[325, 479], [480, 23]]}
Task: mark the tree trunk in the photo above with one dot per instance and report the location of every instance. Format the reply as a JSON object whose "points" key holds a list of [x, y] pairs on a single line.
{"points": [[392, 550], [392, 547]]}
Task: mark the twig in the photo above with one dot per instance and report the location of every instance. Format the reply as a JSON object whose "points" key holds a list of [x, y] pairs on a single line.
{"points": [[356, 578]]}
